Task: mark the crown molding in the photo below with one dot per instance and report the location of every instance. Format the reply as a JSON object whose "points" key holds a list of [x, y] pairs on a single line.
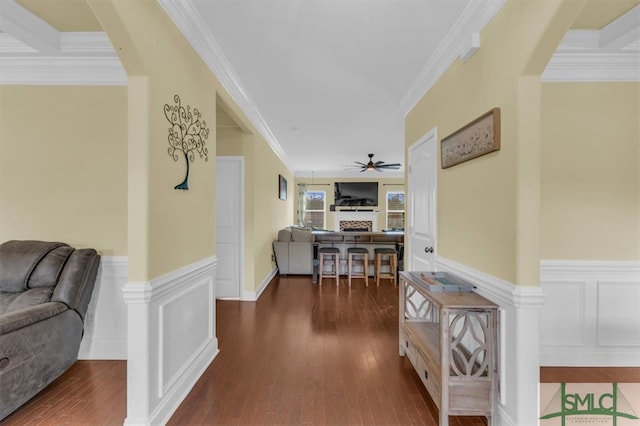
{"points": [[611, 54], [10, 46], [582, 56], [71, 45], [633, 46], [473, 19], [20, 23], [185, 16], [62, 71], [84, 58], [86, 43], [592, 67], [575, 41], [622, 31]]}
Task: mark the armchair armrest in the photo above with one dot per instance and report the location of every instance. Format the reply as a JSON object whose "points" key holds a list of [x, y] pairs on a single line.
{"points": [[18, 319]]}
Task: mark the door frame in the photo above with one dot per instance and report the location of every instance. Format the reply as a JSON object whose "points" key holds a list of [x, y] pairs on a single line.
{"points": [[240, 161], [426, 138]]}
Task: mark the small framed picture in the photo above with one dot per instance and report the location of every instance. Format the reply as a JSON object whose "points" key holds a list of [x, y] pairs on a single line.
{"points": [[282, 187]]}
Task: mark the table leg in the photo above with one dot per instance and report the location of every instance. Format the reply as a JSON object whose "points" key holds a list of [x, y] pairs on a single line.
{"points": [[316, 262]]}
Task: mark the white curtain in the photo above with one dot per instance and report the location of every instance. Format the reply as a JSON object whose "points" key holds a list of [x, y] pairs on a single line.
{"points": [[302, 202]]}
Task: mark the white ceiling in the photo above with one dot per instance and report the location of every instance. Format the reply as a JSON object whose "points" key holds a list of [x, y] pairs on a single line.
{"points": [[325, 81], [329, 76]]}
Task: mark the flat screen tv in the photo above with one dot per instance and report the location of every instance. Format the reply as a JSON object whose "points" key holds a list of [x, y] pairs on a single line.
{"points": [[355, 194]]}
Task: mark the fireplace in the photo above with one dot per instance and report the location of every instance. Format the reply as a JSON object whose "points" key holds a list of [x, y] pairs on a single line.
{"points": [[356, 221], [356, 225]]}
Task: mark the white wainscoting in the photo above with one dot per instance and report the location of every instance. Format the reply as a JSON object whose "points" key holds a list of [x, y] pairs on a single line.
{"points": [[591, 315], [171, 335], [105, 325], [519, 362]]}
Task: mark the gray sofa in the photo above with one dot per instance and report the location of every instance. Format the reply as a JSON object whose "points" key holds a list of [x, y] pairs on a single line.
{"points": [[45, 288], [294, 251]]}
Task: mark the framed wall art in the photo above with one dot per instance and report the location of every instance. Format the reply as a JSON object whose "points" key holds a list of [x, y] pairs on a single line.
{"points": [[477, 138], [282, 187]]}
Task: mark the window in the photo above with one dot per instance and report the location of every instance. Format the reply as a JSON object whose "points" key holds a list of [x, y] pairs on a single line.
{"points": [[314, 214], [395, 210]]}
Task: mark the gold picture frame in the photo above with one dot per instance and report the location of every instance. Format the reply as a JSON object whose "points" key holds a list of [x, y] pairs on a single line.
{"points": [[477, 138]]}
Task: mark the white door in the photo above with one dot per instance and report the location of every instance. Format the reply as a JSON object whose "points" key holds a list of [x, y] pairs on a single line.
{"points": [[421, 203], [229, 226]]}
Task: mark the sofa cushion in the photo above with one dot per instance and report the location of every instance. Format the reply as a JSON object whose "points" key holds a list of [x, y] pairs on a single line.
{"points": [[284, 235], [10, 302], [18, 259], [301, 235]]}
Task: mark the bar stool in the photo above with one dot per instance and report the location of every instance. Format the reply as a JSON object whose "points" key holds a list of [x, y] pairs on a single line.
{"points": [[329, 255], [358, 256], [385, 257]]}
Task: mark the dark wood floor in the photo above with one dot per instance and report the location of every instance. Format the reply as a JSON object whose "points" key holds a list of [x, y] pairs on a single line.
{"points": [[301, 355]]}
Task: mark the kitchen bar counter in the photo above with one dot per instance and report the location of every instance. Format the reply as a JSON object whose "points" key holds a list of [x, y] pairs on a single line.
{"points": [[346, 239]]}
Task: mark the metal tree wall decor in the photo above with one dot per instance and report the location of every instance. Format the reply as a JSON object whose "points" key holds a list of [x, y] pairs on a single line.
{"points": [[187, 134]]}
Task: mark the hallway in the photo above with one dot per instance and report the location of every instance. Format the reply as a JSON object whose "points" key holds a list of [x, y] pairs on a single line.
{"points": [[311, 355]]}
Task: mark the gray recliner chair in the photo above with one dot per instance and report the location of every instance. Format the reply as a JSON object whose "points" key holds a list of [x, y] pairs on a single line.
{"points": [[45, 288]]}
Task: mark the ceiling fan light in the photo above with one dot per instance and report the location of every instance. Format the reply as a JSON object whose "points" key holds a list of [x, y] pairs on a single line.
{"points": [[378, 166]]}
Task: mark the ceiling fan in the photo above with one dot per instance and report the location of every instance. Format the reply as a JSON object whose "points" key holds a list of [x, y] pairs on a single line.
{"points": [[377, 166]]}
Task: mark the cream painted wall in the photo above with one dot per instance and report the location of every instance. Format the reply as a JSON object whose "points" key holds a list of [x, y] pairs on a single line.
{"points": [[327, 184], [487, 211], [265, 214], [63, 165], [168, 228], [272, 213], [476, 204], [590, 171]]}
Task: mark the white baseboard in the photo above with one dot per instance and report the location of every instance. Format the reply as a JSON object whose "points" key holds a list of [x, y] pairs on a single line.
{"points": [[519, 365], [171, 335], [105, 325], [591, 315], [252, 296]]}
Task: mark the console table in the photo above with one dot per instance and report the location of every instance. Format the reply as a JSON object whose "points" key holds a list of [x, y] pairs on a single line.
{"points": [[352, 238], [451, 341]]}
